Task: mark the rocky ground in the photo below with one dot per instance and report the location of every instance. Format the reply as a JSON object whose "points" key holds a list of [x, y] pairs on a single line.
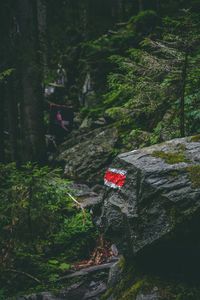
{"points": [[149, 208]]}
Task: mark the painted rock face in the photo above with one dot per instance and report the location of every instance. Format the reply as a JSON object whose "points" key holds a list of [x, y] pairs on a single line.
{"points": [[115, 178], [149, 192]]}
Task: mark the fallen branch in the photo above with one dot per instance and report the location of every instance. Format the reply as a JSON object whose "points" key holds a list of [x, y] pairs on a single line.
{"points": [[26, 274], [79, 204], [86, 271]]}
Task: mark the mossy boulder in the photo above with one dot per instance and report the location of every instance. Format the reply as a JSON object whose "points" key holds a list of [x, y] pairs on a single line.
{"points": [[136, 285], [85, 155], [158, 202]]}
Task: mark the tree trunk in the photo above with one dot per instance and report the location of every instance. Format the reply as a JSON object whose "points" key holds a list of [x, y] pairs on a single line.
{"points": [[13, 119], [85, 19], [41, 18], [32, 104], [158, 6], [140, 5], [120, 10], [2, 150], [182, 104]]}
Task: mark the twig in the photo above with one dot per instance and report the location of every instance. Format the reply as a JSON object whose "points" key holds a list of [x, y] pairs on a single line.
{"points": [[83, 211], [26, 274], [87, 270]]}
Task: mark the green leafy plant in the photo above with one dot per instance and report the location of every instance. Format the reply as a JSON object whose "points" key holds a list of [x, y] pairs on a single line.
{"points": [[40, 228], [5, 74]]}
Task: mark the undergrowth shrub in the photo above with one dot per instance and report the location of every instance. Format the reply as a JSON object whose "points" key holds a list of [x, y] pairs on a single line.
{"points": [[41, 230]]}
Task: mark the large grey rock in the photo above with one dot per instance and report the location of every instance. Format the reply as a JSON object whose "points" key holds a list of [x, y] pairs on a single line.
{"points": [[115, 275], [86, 155], [158, 199]]}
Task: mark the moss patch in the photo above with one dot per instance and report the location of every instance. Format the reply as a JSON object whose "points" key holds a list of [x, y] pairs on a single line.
{"points": [[194, 176], [180, 147], [172, 174], [175, 216], [141, 286], [122, 263], [166, 289], [107, 294], [171, 158], [195, 138], [137, 281]]}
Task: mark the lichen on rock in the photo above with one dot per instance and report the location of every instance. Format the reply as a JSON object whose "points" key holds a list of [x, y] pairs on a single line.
{"points": [[195, 138], [170, 158], [194, 175]]}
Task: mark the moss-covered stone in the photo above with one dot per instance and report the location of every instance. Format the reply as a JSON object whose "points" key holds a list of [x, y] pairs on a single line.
{"points": [[174, 216], [107, 294], [171, 174], [142, 286], [195, 138], [122, 263], [180, 147], [170, 158], [194, 176], [133, 285], [124, 285]]}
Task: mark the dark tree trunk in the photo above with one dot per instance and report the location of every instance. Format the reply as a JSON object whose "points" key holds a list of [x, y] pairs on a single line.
{"points": [[85, 19], [158, 6], [182, 104], [32, 104], [140, 5], [2, 150], [13, 119], [120, 9], [42, 19]]}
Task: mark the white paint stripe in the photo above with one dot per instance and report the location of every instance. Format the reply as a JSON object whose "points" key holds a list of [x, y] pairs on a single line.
{"points": [[121, 172], [111, 184]]}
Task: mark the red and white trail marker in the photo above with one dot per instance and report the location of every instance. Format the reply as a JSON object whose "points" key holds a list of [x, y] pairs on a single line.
{"points": [[115, 178]]}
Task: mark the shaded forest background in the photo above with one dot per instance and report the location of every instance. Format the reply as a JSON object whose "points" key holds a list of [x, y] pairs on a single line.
{"points": [[134, 63]]}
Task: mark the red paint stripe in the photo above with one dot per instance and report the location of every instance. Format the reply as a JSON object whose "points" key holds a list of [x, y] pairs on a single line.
{"points": [[118, 179]]}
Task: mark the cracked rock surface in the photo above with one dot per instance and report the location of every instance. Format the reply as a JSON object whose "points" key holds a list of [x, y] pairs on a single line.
{"points": [[159, 200]]}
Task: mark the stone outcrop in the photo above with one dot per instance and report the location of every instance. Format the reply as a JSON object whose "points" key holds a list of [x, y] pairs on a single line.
{"points": [[85, 155], [159, 200], [150, 209]]}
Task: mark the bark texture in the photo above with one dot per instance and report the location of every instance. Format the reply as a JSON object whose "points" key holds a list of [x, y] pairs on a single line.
{"points": [[32, 104]]}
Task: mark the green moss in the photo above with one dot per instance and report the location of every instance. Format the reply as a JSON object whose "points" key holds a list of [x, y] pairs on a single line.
{"points": [[114, 152], [180, 147], [195, 138], [141, 286], [122, 263], [136, 282], [172, 174], [125, 284], [194, 176], [178, 291], [166, 289], [174, 216], [107, 294], [170, 158]]}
